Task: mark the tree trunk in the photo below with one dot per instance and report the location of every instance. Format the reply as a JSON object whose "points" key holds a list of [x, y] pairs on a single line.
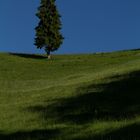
{"points": [[48, 54]]}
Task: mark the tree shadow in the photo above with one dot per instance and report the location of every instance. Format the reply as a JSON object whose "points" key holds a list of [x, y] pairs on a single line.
{"points": [[130, 132], [32, 56], [117, 99], [31, 135]]}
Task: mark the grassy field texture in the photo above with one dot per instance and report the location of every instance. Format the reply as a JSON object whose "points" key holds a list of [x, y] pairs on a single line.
{"points": [[71, 97]]}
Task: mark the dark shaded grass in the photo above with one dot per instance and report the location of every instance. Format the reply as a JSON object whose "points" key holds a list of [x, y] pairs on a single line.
{"points": [[32, 56], [131, 132], [30, 135], [118, 99]]}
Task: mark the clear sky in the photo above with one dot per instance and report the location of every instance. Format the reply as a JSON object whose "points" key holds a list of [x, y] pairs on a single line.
{"points": [[88, 25]]}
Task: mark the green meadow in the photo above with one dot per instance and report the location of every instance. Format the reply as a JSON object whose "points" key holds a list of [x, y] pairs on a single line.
{"points": [[70, 97]]}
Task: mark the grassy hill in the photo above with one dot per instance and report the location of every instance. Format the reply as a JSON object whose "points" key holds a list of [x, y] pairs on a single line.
{"points": [[71, 97]]}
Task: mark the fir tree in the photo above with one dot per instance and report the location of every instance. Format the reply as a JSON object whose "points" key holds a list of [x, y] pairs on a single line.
{"points": [[48, 35]]}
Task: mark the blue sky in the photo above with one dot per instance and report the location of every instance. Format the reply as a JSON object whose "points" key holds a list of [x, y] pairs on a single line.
{"points": [[88, 25]]}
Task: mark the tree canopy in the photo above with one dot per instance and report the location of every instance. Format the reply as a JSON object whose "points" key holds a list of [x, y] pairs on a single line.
{"points": [[48, 35]]}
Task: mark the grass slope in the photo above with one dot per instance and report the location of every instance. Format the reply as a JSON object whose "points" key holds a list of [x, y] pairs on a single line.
{"points": [[71, 97]]}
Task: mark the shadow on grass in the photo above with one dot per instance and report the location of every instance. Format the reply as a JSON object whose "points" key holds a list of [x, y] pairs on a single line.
{"points": [[131, 132], [118, 99], [30, 135], [33, 56]]}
